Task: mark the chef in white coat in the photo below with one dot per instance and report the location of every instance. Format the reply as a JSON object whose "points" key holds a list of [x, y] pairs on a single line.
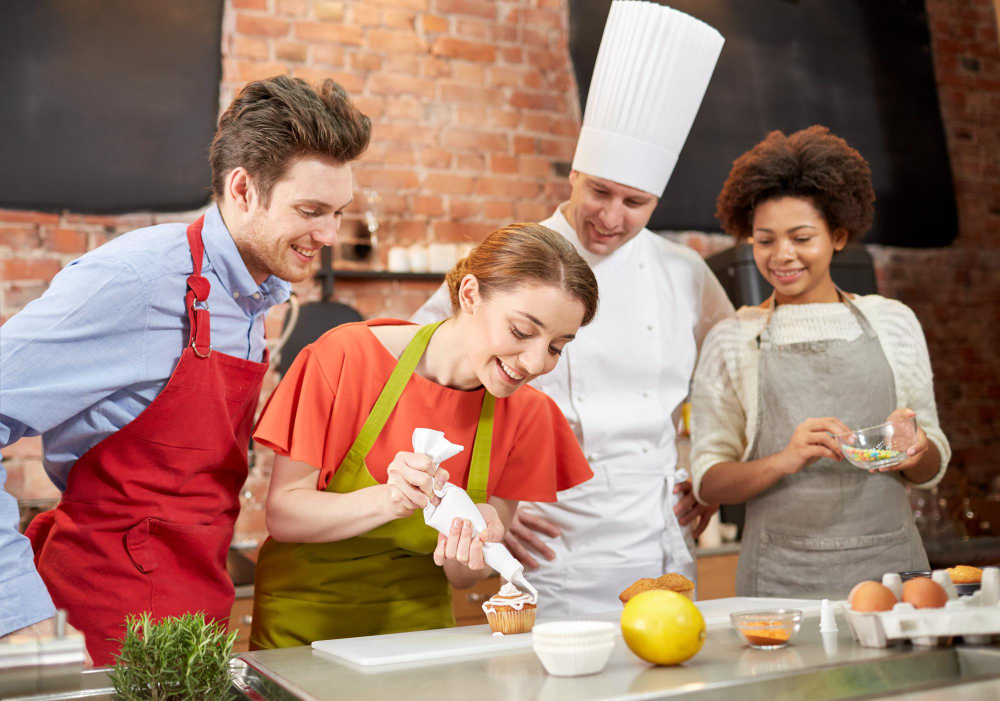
{"points": [[625, 375]]}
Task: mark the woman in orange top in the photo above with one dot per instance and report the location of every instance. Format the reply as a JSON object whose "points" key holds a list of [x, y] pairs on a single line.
{"points": [[349, 553]]}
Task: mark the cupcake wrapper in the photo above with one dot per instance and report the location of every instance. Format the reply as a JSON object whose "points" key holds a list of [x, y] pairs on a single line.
{"points": [[511, 621]]}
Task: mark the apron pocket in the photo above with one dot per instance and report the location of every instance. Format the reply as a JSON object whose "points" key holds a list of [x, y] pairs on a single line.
{"points": [[186, 567], [820, 567]]}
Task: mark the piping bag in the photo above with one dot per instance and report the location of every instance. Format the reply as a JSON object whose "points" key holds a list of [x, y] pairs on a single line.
{"points": [[456, 503]]}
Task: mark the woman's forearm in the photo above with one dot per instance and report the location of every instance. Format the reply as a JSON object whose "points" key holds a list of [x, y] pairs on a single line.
{"points": [[298, 513], [736, 482]]}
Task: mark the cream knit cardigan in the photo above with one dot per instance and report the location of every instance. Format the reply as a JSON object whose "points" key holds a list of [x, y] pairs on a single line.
{"points": [[724, 395]]}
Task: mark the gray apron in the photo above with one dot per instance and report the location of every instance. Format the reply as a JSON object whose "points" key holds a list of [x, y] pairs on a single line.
{"points": [[820, 531]]}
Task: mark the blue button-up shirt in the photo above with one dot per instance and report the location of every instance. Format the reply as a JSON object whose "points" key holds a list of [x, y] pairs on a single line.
{"points": [[91, 353]]}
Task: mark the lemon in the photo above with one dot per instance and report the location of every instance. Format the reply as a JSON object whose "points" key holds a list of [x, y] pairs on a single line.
{"points": [[663, 627]]}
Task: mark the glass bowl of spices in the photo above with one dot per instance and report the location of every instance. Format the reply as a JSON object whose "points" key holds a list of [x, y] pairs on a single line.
{"points": [[768, 629], [880, 446]]}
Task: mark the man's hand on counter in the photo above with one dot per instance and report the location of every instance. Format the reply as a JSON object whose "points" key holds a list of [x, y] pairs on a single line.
{"points": [[522, 541], [688, 509]]}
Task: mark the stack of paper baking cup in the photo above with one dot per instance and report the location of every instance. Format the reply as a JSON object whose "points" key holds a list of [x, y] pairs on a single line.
{"points": [[573, 648]]}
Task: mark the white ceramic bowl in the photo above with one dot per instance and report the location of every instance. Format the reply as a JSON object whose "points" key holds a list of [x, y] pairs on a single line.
{"points": [[574, 660]]}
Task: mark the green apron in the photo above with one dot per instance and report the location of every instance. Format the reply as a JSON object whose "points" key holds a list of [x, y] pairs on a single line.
{"points": [[384, 581]]}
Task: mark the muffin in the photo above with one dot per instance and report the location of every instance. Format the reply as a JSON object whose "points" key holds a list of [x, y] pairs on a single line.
{"points": [[965, 574], [670, 581], [510, 612]]}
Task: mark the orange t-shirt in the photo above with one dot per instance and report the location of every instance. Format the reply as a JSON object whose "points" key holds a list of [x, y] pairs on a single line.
{"points": [[319, 407]]}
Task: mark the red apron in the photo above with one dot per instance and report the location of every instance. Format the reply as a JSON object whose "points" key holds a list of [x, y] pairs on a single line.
{"points": [[147, 516]]}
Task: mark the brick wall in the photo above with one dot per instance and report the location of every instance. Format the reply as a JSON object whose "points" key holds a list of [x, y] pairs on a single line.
{"points": [[476, 115]]}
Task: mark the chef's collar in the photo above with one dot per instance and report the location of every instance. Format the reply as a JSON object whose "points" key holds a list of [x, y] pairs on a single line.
{"points": [[226, 261]]}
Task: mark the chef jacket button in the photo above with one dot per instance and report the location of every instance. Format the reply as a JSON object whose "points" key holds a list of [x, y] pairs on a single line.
{"points": [[236, 294], [592, 457], [256, 295], [650, 326], [645, 448], [645, 393], [579, 397], [642, 265]]}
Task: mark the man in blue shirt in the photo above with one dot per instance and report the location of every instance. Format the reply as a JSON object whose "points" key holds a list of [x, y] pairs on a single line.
{"points": [[119, 325]]}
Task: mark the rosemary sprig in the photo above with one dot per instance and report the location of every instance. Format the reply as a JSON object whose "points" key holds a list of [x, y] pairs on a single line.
{"points": [[175, 659]]}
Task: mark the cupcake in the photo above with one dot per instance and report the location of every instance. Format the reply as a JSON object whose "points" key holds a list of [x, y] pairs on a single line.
{"points": [[510, 611], [670, 581], [964, 574]]}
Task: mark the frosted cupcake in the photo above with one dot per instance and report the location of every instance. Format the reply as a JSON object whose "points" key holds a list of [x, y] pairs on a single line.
{"points": [[510, 611]]}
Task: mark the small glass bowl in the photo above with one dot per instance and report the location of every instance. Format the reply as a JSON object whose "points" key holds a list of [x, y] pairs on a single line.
{"points": [[769, 629], [884, 445]]}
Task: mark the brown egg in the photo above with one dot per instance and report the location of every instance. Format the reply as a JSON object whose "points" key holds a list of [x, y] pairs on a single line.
{"points": [[924, 593], [871, 596]]}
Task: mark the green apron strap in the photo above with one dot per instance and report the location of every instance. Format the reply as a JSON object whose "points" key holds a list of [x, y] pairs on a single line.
{"points": [[393, 389], [479, 467]]}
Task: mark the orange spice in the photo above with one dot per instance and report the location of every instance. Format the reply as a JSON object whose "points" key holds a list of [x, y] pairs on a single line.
{"points": [[764, 636]]}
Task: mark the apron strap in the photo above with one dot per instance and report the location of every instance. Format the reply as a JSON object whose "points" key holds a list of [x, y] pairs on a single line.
{"points": [[393, 389], [198, 289], [479, 467], [859, 315]]}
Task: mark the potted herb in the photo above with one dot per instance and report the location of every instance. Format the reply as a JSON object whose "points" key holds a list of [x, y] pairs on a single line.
{"points": [[174, 659]]}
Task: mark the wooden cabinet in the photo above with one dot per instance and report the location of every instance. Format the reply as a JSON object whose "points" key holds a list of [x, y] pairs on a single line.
{"points": [[468, 603], [239, 619], [717, 575]]}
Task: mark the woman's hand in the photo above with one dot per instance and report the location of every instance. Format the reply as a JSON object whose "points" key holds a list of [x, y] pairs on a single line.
{"points": [[811, 441], [462, 546], [411, 483], [916, 451]]}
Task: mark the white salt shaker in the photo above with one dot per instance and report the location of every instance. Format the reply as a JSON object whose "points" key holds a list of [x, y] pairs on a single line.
{"points": [[827, 619]]}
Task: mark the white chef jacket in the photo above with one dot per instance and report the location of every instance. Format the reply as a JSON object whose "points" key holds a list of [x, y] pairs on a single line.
{"points": [[618, 384]]}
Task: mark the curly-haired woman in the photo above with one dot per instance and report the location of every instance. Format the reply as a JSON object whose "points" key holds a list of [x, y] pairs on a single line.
{"points": [[775, 382]]}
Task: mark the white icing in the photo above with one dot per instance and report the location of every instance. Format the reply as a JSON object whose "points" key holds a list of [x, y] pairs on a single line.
{"points": [[512, 598]]}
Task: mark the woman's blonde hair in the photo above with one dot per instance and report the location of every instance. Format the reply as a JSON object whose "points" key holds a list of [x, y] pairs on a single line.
{"points": [[526, 253]]}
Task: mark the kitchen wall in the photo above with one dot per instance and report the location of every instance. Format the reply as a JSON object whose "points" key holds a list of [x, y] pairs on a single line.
{"points": [[476, 114]]}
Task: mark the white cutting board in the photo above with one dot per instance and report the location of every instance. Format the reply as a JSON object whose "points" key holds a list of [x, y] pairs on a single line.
{"points": [[421, 645]]}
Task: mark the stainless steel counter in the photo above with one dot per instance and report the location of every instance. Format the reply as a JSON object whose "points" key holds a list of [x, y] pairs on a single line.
{"points": [[814, 667]]}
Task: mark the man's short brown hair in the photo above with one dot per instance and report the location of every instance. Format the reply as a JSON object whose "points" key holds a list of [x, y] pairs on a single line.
{"points": [[272, 122], [812, 164]]}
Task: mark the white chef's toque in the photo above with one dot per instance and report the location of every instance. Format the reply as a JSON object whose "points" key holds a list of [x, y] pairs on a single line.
{"points": [[651, 74]]}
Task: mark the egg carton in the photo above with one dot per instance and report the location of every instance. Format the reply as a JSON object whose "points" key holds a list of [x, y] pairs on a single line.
{"points": [[976, 618]]}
